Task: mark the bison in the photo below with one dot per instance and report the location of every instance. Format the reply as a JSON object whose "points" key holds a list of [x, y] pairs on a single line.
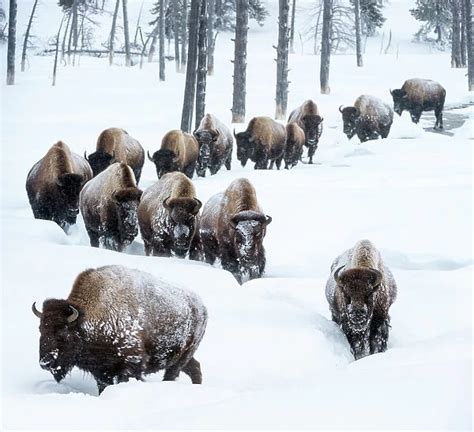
{"points": [[369, 118], [109, 207], [264, 140], [418, 95], [179, 152], [167, 216], [359, 291], [309, 119], [118, 323], [232, 228], [294, 145], [116, 145], [215, 145], [54, 183]]}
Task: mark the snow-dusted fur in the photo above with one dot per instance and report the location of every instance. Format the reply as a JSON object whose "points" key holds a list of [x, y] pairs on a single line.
{"points": [[369, 118], [295, 140], [418, 95], [116, 145], [54, 183], [309, 119], [127, 324], [167, 216], [215, 145], [178, 152], [232, 229], [360, 290], [108, 205], [263, 141]]}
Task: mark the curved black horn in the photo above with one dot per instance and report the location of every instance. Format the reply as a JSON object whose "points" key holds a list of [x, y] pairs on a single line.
{"points": [[149, 157], [74, 316], [340, 110], [336, 274], [165, 203], [235, 136], [36, 311], [85, 155], [391, 92]]}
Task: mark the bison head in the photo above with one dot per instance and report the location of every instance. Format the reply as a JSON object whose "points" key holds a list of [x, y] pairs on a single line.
{"points": [[165, 161], [59, 337], [358, 288], [244, 146], [182, 216], [206, 140], [400, 99], [69, 186], [311, 126], [99, 161], [126, 203], [350, 115]]}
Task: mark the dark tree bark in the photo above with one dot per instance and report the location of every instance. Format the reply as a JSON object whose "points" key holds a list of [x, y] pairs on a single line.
{"points": [[74, 27], [463, 34], [201, 65], [360, 62], [456, 35], [190, 88], [184, 39], [128, 59], [11, 43], [65, 33], [176, 24], [282, 61], [138, 23], [162, 39], [27, 36], [292, 27], [240, 61], [469, 46], [112, 33], [326, 47], [211, 40], [55, 67]]}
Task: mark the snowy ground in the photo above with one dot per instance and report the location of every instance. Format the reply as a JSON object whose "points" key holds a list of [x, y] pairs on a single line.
{"points": [[271, 357]]}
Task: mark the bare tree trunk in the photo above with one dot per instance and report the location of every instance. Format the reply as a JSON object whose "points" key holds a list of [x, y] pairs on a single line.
{"points": [[292, 27], [282, 61], [128, 60], [456, 35], [184, 39], [190, 88], [112, 33], [63, 47], [138, 23], [240, 61], [27, 36], [154, 40], [74, 27], [11, 43], [162, 40], [210, 36], [201, 65], [55, 67], [463, 34], [176, 24], [326, 47], [316, 32], [469, 46], [360, 62]]}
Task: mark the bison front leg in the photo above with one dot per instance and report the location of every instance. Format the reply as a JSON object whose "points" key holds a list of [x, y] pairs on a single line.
{"points": [[415, 115], [228, 162], [193, 370], [359, 343], [311, 151], [379, 330]]}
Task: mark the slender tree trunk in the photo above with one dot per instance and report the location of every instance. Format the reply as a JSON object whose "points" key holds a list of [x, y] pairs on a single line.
{"points": [[190, 88], [55, 67], [11, 43], [210, 36], [463, 34], [469, 45], [74, 28], [27, 36], [316, 32], [128, 59], [360, 62], [112, 33], [292, 27], [282, 61], [176, 24], [456, 35], [184, 39], [138, 23], [201, 65], [162, 40], [63, 46], [154, 40], [326, 47], [240, 61]]}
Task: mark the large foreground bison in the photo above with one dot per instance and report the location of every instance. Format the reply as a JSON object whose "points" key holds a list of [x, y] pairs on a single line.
{"points": [[118, 323], [232, 229], [360, 290], [54, 183], [418, 95]]}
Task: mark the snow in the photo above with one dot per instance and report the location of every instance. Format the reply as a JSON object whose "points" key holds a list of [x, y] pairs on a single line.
{"points": [[271, 356]]}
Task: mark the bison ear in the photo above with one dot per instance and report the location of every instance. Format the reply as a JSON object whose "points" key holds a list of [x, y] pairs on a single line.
{"points": [[197, 206], [268, 220]]}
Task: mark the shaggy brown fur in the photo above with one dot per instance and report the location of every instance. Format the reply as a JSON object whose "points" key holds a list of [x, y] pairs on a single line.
{"points": [[232, 228], [109, 207], [54, 183], [264, 140], [295, 140], [167, 216], [119, 323]]}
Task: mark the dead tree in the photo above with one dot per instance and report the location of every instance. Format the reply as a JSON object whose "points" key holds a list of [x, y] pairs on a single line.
{"points": [[27, 36], [184, 26], [176, 24], [201, 65], [292, 27], [282, 61], [211, 38], [240, 61], [326, 47], [161, 53], [112, 33], [55, 67], [360, 62], [463, 34], [469, 46], [63, 46], [11, 43], [456, 34], [128, 59]]}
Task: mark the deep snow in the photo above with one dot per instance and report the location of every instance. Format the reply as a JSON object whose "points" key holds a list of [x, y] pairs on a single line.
{"points": [[271, 357]]}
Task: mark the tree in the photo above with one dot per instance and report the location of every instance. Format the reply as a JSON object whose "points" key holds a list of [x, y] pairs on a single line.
{"points": [[201, 67], [55, 67], [226, 13], [326, 47], [211, 38], [240, 61], [456, 34], [11, 43], [436, 17], [357, 30], [3, 24], [162, 39], [370, 15], [292, 27], [27, 36], [112, 32], [128, 59], [184, 27], [469, 46], [282, 61]]}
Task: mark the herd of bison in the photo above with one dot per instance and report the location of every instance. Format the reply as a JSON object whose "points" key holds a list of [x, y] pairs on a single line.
{"points": [[119, 323]]}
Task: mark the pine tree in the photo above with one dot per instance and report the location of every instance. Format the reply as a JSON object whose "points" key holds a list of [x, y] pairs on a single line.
{"points": [[436, 17], [326, 47], [469, 45], [11, 43]]}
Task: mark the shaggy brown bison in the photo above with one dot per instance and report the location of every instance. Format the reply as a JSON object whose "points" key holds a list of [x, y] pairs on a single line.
{"points": [[167, 216], [54, 183], [294, 145], [109, 207], [232, 228], [309, 119], [179, 152], [369, 118], [118, 323], [215, 145], [360, 290], [116, 145], [264, 140], [418, 95]]}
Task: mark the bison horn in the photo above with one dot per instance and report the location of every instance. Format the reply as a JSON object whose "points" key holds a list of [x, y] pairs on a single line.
{"points": [[149, 157], [74, 316], [85, 155], [197, 206], [36, 311], [215, 133], [235, 135], [165, 203], [268, 220], [336, 274], [340, 110], [391, 92]]}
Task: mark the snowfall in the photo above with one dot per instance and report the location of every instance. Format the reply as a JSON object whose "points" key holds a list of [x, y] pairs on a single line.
{"points": [[271, 356]]}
